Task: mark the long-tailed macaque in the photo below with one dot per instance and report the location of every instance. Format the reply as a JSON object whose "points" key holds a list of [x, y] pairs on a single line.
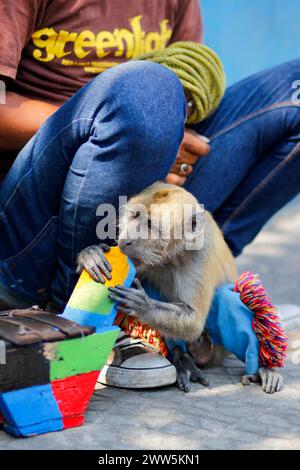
{"points": [[178, 249]]}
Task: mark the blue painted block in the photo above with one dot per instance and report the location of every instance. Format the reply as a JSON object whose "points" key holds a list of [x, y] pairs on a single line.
{"points": [[30, 411], [90, 319]]}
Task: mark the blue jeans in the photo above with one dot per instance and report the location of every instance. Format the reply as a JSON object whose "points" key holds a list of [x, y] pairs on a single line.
{"points": [[119, 134]]}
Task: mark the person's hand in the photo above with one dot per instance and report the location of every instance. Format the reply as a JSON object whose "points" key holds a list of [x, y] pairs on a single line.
{"points": [[192, 147]]}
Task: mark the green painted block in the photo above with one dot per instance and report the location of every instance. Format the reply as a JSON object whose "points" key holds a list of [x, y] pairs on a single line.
{"points": [[92, 297], [80, 355]]}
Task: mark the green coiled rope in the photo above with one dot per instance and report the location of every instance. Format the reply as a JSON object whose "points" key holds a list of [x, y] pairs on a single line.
{"points": [[200, 71]]}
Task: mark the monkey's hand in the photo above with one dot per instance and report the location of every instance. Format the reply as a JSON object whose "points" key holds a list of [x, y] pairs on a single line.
{"points": [[93, 260], [187, 371], [133, 301], [271, 381], [170, 319]]}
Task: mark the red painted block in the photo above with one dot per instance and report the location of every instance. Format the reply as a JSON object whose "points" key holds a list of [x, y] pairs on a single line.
{"points": [[73, 395]]}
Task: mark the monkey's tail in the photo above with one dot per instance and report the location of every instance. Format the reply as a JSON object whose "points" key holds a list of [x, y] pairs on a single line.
{"points": [[266, 324]]}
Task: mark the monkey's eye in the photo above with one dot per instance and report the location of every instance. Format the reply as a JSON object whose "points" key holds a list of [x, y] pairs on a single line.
{"points": [[197, 222], [135, 214], [194, 223]]}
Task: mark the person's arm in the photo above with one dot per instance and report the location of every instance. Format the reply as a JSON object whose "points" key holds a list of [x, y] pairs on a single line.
{"points": [[20, 118], [188, 25]]}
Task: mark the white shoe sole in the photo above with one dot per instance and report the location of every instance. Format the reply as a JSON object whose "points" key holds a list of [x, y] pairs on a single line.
{"points": [[117, 376]]}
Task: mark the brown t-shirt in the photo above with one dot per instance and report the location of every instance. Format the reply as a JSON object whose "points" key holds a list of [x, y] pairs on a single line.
{"points": [[53, 47]]}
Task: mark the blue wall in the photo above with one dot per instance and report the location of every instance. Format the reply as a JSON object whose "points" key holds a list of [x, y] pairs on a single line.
{"points": [[251, 35]]}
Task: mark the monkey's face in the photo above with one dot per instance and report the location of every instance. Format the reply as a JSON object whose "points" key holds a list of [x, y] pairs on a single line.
{"points": [[158, 225], [141, 238]]}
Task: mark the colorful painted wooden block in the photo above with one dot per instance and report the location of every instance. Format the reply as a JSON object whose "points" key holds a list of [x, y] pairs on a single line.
{"points": [[53, 362], [89, 304]]}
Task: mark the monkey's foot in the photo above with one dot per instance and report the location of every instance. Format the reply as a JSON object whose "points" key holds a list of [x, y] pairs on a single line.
{"points": [[271, 381], [248, 379], [187, 371]]}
